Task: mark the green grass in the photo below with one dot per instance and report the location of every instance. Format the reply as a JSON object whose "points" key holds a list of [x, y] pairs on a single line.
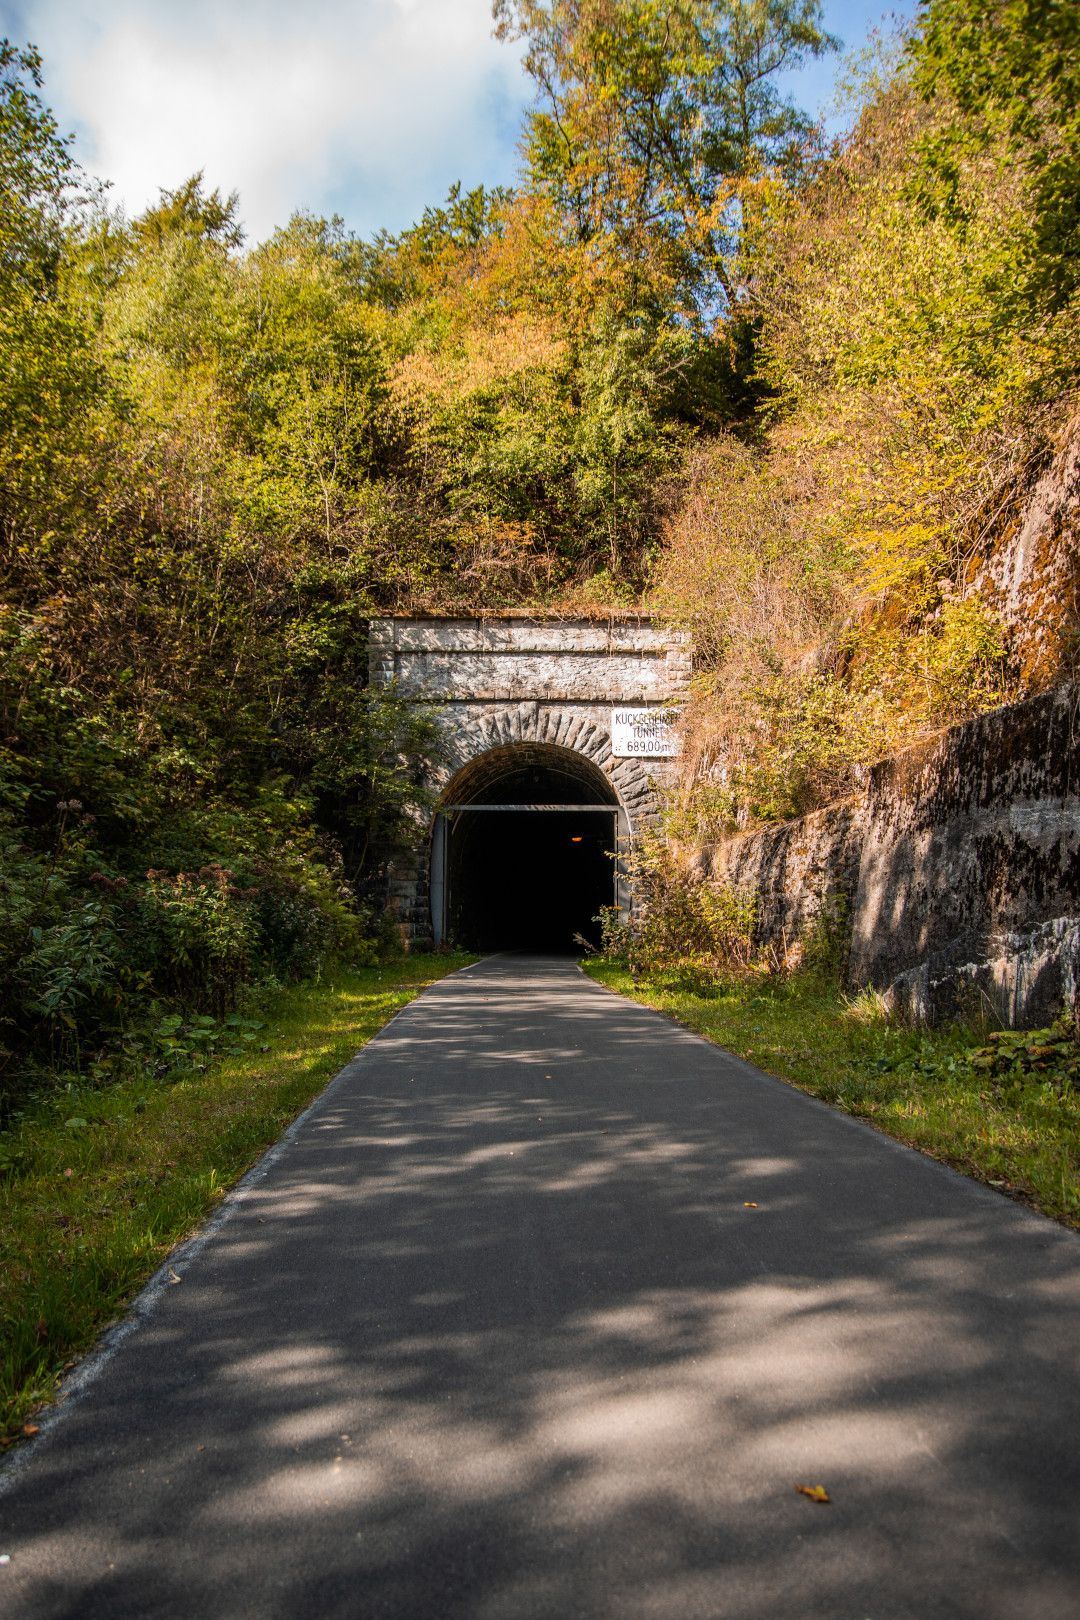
{"points": [[89, 1209], [928, 1088]]}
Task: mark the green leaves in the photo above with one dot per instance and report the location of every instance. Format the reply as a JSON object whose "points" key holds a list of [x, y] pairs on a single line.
{"points": [[654, 121], [1014, 1060], [186, 1044], [1012, 71], [37, 173]]}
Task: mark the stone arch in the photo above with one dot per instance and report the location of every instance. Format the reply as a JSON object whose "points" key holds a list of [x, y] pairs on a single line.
{"points": [[525, 849], [520, 681], [521, 725], [478, 778]]}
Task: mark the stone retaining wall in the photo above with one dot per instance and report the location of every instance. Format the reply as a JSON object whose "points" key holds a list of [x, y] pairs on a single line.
{"points": [[960, 869], [795, 872]]}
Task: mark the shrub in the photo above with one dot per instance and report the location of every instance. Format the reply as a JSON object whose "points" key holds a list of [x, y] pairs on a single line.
{"points": [[59, 962], [194, 937], [700, 933]]}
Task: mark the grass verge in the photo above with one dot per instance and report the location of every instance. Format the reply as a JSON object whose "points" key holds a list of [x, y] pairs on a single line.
{"points": [[928, 1088], [98, 1185]]}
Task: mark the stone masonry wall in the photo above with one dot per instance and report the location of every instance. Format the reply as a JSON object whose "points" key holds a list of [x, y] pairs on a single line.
{"points": [[960, 869], [969, 880], [794, 871], [528, 683]]}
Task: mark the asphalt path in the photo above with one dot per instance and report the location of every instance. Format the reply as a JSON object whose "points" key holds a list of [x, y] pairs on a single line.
{"points": [[543, 1311]]}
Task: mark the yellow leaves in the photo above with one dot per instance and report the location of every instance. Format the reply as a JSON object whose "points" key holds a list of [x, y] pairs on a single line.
{"points": [[483, 357], [891, 555], [816, 1493]]}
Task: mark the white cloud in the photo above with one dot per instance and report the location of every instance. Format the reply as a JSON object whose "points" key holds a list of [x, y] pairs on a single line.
{"points": [[370, 109]]}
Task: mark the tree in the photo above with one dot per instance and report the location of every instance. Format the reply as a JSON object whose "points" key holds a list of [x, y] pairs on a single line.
{"points": [[190, 211], [49, 377], [656, 119], [37, 175], [1012, 69]]}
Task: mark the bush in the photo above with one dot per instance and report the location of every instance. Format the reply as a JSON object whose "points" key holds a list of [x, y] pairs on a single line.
{"points": [[292, 931], [699, 933], [59, 962], [1016, 1060], [194, 937], [92, 960]]}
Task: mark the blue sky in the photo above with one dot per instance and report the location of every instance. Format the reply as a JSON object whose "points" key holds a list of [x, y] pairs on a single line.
{"points": [[367, 108]]}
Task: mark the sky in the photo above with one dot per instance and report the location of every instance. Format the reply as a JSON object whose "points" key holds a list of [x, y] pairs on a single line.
{"points": [[370, 109]]}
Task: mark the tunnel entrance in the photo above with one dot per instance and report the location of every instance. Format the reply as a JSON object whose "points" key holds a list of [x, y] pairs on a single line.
{"points": [[523, 851]]}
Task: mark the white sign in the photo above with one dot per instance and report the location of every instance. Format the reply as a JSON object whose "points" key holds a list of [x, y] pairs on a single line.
{"points": [[643, 734]]}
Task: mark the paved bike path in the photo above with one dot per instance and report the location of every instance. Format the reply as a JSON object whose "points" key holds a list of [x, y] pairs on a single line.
{"points": [[497, 1334]]}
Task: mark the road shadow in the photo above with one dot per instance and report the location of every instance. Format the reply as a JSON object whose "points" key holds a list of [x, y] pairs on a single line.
{"points": [[545, 1313]]}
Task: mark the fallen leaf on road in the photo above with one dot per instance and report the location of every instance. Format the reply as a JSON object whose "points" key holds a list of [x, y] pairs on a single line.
{"points": [[816, 1493], [749, 1206], [31, 1428], [173, 1278]]}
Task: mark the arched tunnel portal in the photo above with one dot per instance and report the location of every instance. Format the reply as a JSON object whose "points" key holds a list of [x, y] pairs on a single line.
{"points": [[525, 850], [554, 748]]}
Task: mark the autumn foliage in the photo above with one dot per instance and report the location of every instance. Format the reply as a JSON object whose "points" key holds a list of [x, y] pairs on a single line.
{"points": [[779, 390]]}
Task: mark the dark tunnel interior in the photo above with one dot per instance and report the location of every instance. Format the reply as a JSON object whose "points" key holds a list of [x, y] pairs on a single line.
{"points": [[531, 879]]}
